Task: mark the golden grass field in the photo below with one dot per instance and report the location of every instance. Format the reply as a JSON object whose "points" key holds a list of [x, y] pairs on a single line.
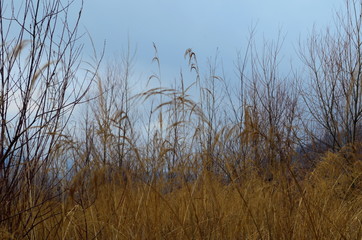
{"points": [[270, 154], [325, 204]]}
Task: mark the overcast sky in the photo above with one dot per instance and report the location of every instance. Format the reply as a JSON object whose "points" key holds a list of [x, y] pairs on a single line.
{"points": [[203, 25]]}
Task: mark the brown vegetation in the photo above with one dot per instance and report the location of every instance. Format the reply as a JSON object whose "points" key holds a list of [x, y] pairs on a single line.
{"points": [[272, 157]]}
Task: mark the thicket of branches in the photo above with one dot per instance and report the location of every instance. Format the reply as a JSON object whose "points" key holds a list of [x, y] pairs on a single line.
{"points": [[264, 122]]}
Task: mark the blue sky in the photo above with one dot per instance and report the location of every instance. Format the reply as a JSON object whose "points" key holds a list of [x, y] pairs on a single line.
{"points": [[203, 25]]}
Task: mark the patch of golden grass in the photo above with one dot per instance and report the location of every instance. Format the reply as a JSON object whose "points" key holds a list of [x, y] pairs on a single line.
{"points": [[206, 208]]}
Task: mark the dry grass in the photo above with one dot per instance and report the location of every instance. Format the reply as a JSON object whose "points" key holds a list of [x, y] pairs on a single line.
{"points": [[198, 161], [105, 207], [187, 180]]}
